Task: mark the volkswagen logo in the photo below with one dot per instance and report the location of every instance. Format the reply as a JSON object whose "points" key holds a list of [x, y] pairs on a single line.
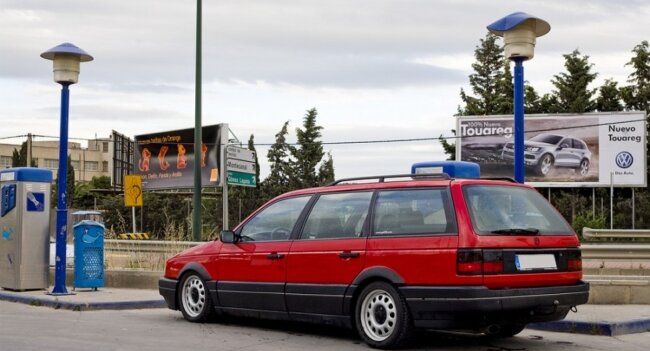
{"points": [[624, 159]]}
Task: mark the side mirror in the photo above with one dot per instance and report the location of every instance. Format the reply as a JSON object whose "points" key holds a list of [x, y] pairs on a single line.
{"points": [[228, 236]]}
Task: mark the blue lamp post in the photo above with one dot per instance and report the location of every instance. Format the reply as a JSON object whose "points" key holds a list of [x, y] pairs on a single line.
{"points": [[519, 31], [66, 58]]}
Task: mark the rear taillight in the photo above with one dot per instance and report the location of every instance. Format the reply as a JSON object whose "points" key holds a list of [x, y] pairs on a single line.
{"points": [[477, 262], [574, 260], [469, 262]]}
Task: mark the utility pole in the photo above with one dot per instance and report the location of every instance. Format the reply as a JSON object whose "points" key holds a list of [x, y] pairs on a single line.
{"points": [[198, 137], [29, 150]]}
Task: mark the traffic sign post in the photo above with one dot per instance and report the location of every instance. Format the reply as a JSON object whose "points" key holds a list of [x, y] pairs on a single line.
{"points": [[241, 170], [133, 194], [240, 167], [242, 179]]}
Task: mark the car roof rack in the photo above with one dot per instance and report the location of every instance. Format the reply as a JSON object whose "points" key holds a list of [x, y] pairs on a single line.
{"points": [[381, 179], [505, 179]]}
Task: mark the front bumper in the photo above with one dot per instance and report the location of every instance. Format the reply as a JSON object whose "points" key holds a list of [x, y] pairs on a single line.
{"points": [[466, 306]]}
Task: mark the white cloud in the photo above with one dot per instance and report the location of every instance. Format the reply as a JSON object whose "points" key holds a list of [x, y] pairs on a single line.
{"points": [[374, 69]]}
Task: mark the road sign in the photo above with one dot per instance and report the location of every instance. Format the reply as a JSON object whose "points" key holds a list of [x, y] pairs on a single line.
{"points": [[240, 178], [240, 166], [240, 153], [132, 191]]}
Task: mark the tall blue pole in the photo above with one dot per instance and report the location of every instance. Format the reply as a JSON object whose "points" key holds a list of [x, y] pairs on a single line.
{"points": [[519, 119], [62, 197]]}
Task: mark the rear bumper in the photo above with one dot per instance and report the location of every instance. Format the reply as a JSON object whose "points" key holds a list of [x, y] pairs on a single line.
{"points": [[167, 288], [465, 306]]}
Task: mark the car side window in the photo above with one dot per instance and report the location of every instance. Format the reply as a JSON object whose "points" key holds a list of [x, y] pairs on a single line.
{"points": [[414, 212], [577, 144], [340, 215], [275, 222]]}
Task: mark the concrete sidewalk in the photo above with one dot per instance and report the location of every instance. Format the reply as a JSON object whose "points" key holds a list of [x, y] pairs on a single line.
{"points": [[609, 320], [86, 299]]}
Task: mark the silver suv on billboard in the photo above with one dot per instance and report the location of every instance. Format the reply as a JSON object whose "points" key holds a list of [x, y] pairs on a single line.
{"points": [[545, 151]]}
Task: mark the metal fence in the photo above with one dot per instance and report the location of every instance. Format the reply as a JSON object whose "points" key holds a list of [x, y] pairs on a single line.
{"points": [[605, 251]]}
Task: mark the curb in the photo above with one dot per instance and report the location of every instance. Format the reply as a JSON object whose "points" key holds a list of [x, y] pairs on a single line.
{"points": [[82, 306], [602, 328]]}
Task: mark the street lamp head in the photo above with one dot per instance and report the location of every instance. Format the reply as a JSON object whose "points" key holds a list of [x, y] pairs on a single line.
{"points": [[519, 31], [66, 58]]}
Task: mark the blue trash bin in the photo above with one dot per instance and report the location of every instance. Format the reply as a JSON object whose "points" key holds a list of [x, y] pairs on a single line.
{"points": [[88, 254]]}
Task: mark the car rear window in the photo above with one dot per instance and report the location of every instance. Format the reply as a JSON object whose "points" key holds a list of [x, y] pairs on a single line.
{"points": [[414, 212], [510, 210]]}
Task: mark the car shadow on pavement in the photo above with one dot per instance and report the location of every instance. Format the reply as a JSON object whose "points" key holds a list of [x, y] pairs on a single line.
{"points": [[423, 340]]}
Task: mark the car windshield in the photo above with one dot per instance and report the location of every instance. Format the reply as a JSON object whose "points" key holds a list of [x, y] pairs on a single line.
{"points": [[547, 138], [510, 210]]}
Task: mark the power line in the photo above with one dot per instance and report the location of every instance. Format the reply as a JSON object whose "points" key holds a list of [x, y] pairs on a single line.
{"points": [[357, 142]]}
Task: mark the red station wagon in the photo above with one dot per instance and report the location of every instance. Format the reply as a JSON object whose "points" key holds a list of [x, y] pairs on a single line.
{"points": [[387, 255]]}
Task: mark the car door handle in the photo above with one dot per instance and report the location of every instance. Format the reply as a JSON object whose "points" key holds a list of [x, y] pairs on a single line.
{"points": [[274, 256], [349, 254]]}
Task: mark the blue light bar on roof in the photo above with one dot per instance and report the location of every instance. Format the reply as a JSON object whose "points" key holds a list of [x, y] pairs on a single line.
{"points": [[455, 169]]}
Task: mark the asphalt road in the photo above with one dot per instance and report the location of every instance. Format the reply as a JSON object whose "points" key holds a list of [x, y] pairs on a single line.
{"points": [[26, 328]]}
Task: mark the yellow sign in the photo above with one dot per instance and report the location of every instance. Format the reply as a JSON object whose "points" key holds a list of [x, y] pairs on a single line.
{"points": [[132, 191]]}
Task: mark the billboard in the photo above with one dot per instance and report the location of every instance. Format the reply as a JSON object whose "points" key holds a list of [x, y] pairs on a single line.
{"points": [[564, 150], [122, 161], [166, 160]]}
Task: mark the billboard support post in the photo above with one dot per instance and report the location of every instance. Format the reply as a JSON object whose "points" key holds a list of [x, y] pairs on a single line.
{"points": [[519, 119], [611, 200], [633, 209]]}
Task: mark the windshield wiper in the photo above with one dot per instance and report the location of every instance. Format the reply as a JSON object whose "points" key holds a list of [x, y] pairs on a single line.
{"points": [[516, 231]]}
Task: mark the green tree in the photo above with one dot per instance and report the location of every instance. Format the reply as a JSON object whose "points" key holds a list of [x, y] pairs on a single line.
{"points": [[491, 81], [307, 154], [448, 148], [19, 158], [572, 92], [84, 194], [277, 182], [326, 171], [492, 86], [609, 97], [637, 95], [532, 100]]}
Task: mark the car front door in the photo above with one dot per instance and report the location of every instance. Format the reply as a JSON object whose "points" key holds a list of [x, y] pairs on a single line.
{"points": [[564, 153], [328, 255], [252, 271]]}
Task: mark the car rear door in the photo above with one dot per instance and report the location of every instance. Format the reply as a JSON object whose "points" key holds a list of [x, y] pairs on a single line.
{"points": [[328, 255], [414, 235]]}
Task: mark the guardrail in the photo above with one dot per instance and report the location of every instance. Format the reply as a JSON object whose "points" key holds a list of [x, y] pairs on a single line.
{"points": [[609, 251], [148, 246], [623, 251], [589, 233]]}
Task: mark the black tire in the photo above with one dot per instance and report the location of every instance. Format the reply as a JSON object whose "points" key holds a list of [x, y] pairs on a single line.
{"points": [[544, 165], [507, 331], [382, 317], [583, 168], [194, 299]]}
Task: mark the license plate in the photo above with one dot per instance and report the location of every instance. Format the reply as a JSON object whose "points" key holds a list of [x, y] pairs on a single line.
{"points": [[535, 262]]}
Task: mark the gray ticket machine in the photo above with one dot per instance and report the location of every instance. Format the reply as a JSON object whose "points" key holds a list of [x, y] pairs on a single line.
{"points": [[25, 227]]}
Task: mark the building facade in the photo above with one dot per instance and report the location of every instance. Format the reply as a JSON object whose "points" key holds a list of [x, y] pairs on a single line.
{"points": [[92, 161]]}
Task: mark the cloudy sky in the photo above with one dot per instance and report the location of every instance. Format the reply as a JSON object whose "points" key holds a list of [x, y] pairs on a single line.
{"points": [[374, 69]]}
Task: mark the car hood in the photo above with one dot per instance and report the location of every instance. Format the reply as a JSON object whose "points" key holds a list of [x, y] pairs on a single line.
{"points": [[537, 143]]}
